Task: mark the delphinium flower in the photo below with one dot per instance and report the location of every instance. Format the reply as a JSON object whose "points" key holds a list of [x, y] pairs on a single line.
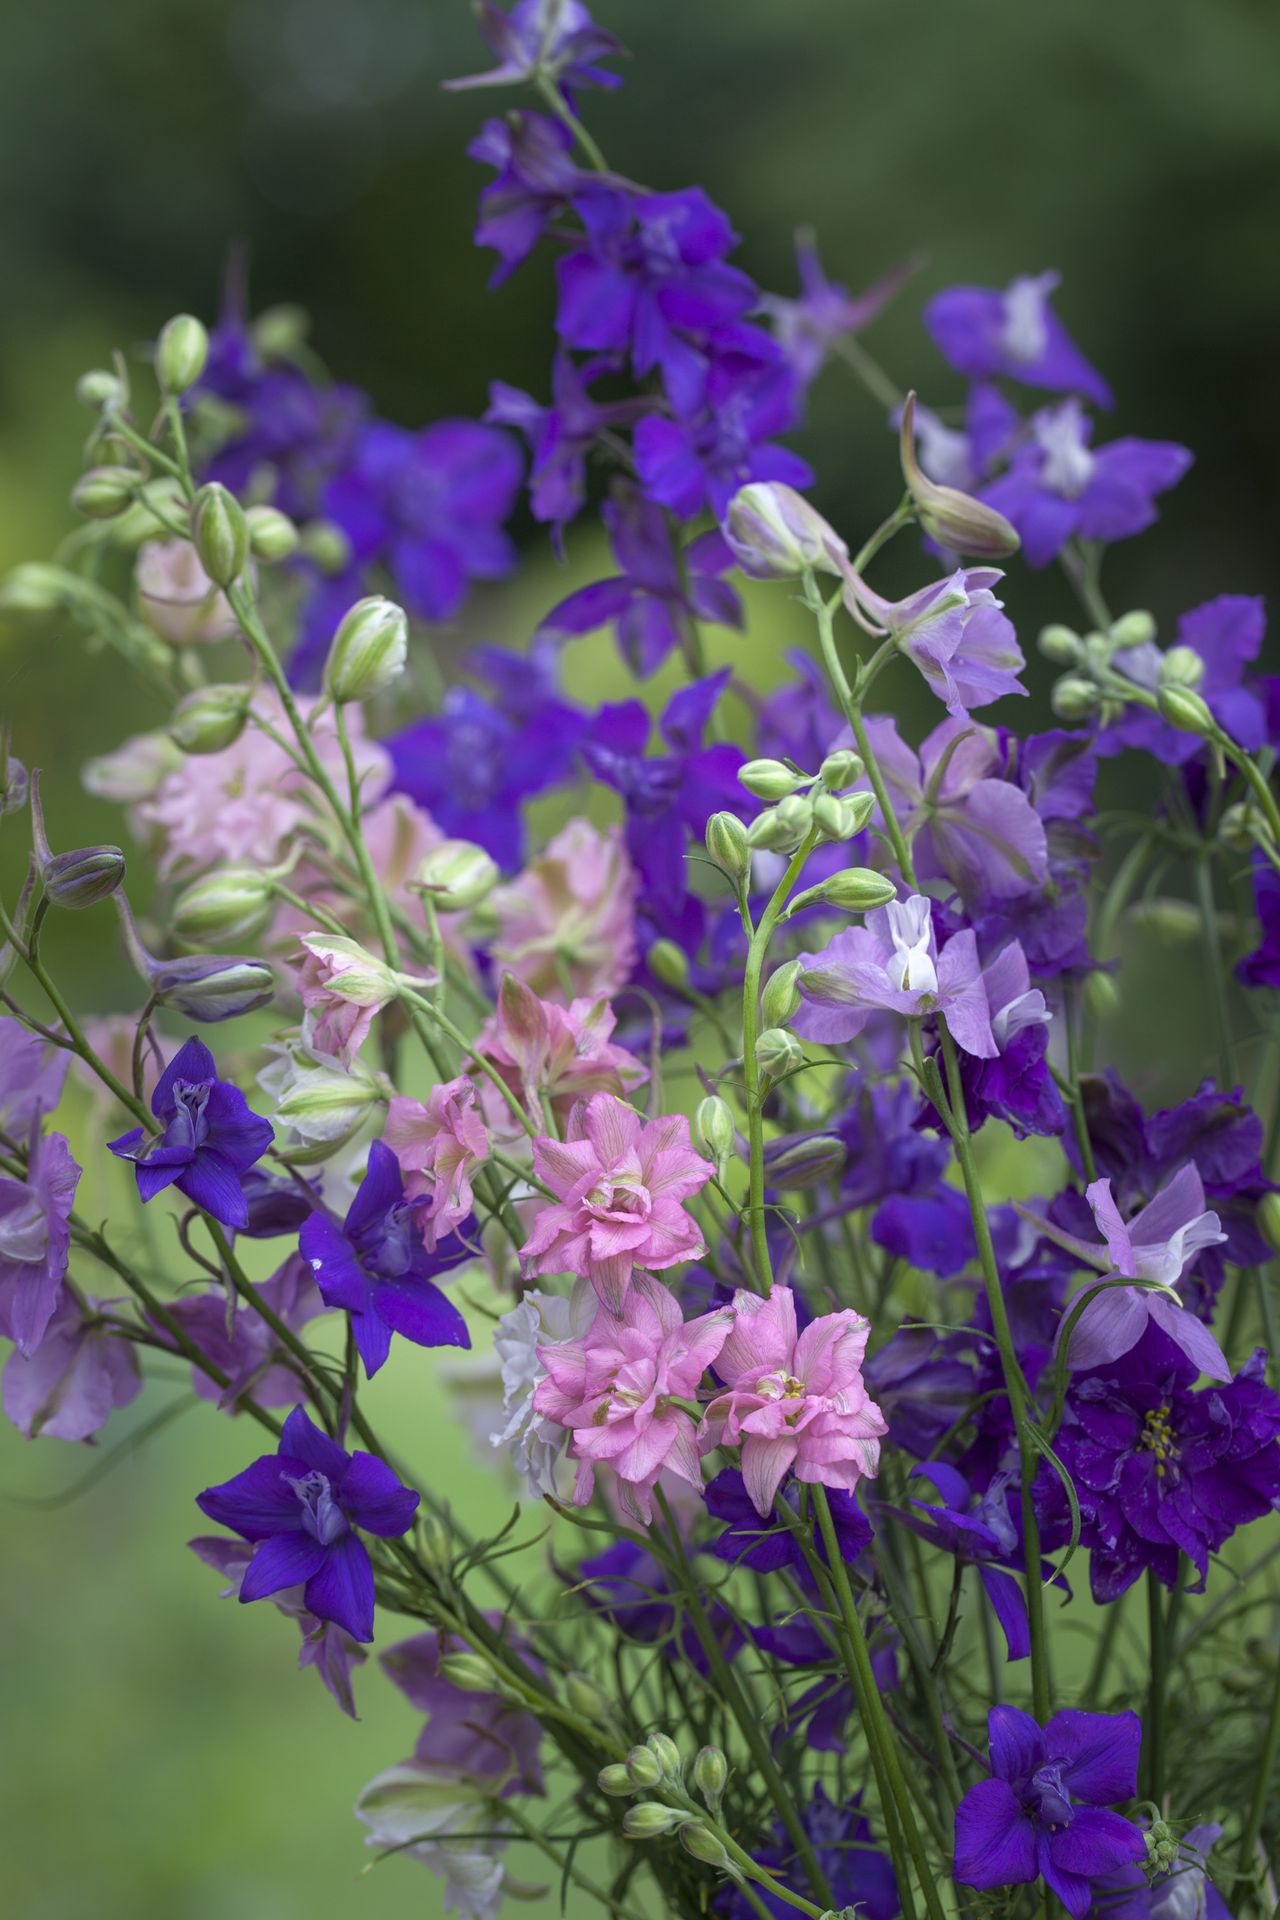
{"points": [[543, 1050], [1014, 334], [438, 1145], [963, 457], [304, 1508], [535, 174], [1017, 1086], [766, 1543], [1043, 1813], [812, 326], [619, 1388], [562, 436], [894, 964], [342, 989], [74, 1377], [35, 1240], [1162, 1469], [241, 1343], [553, 39], [620, 1185], [534, 1443], [376, 1268], [566, 925], [32, 1075], [859, 1874], [979, 1529], [1227, 635], [794, 1401], [955, 632], [327, 1649], [208, 1142]]}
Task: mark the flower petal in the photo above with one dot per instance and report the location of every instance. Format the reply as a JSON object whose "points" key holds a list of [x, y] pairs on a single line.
{"points": [[342, 1591]]}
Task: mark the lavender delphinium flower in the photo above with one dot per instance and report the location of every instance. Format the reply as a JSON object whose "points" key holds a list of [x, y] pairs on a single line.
{"points": [[35, 1241], [32, 1074], [300, 1508], [1017, 1086], [549, 39], [812, 326], [561, 438], [894, 964], [70, 1383], [979, 1529], [1015, 334], [209, 1139], [955, 632], [327, 1649], [1227, 634], [241, 1343]]}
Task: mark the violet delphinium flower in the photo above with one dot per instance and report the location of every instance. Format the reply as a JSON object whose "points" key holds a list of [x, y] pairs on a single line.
{"points": [[301, 1507], [893, 964], [377, 1269], [550, 39], [35, 1240], [982, 332], [1042, 1815], [724, 438], [1227, 633], [1261, 968], [561, 437], [1059, 488], [767, 1544], [811, 327], [69, 1385], [956, 633], [534, 169], [31, 1077], [794, 1400], [964, 457], [208, 1142], [860, 1877], [1017, 1086], [620, 1185], [1162, 1469], [239, 1341], [327, 1649], [979, 1530]]}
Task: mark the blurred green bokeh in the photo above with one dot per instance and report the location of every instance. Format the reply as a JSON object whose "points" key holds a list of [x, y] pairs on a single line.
{"points": [[162, 1760]]}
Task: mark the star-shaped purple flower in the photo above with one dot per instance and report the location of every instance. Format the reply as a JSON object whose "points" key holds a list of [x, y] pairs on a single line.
{"points": [[811, 327], [1014, 334], [209, 1141], [552, 39]]}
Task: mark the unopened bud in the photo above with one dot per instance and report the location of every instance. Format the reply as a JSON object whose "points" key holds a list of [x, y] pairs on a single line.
{"points": [[99, 389], [649, 1821], [469, 1673], [713, 1127], [856, 890], [104, 492], [272, 534], [1269, 1219], [667, 1754], [1136, 629], [955, 520], [368, 651], [457, 875], [84, 877], [1181, 667], [770, 779], [726, 840], [220, 533], [212, 987], [210, 718], [1075, 699], [1061, 645], [840, 769], [842, 817], [803, 1162], [32, 590], [1185, 710], [615, 1781], [182, 353], [1175, 921], [1102, 995], [15, 783], [778, 1052], [232, 903], [583, 1697], [776, 535], [781, 995], [703, 1845], [669, 964], [709, 1774], [644, 1769], [768, 834], [321, 1105], [326, 545]]}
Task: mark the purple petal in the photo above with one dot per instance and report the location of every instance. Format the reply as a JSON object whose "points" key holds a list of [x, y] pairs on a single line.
{"points": [[286, 1560], [374, 1499], [1096, 1842], [1009, 1605], [995, 1839], [418, 1310], [211, 1182], [1100, 1751], [1017, 1744], [301, 1436], [342, 1590], [260, 1501]]}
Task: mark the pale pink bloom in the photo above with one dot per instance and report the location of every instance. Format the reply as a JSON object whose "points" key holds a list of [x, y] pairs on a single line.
{"points": [[248, 803], [111, 1035], [176, 597], [439, 1146], [566, 925], [564, 1053], [342, 989], [619, 1183], [614, 1388], [794, 1402]]}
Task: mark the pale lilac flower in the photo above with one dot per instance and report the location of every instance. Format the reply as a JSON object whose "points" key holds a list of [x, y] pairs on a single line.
{"points": [[32, 1074], [1015, 333], [439, 1146], [176, 597], [35, 1241], [893, 964], [566, 925], [812, 327], [620, 1184], [562, 1053], [68, 1386], [535, 1443], [794, 1402], [956, 632], [415, 1809], [614, 1389]]}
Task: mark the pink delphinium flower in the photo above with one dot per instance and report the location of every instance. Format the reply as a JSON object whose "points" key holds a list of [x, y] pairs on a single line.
{"points": [[176, 597], [439, 1145], [794, 1402], [619, 1183], [342, 989], [566, 925], [614, 1389], [564, 1053]]}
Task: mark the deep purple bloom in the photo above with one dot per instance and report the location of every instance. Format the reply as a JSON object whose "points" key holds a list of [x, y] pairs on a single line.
{"points": [[1041, 1815], [70, 1384], [31, 1078], [1227, 633], [209, 1141], [894, 963], [376, 1267], [1058, 487], [551, 39], [1016, 334], [532, 158], [811, 327], [887, 1154], [931, 1231], [328, 1649], [922, 1382], [478, 1736], [241, 1343], [860, 1877], [1018, 1085], [35, 1240], [1161, 1468], [562, 437], [300, 1508], [978, 1529], [634, 1592], [767, 1545], [658, 590]]}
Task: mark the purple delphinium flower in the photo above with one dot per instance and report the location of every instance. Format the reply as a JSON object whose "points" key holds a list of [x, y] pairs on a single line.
{"points": [[659, 590], [1018, 1085], [1261, 968], [965, 457], [887, 1154], [376, 1267], [542, 39], [1161, 1468], [35, 1240], [328, 1649], [1016, 334], [241, 1343], [1185, 1892], [1227, 633], [812, 326], [68, 1386], [923, 1382], [767, 1545], [535, 173], [931, 1231], [1058, 487], [210, 1138], [978, 1528], [300, 1508], [31, 1078], [480, 1736], [893, 963], [562, 437], [860, 1877], [956, 633], [1042, 1815]]}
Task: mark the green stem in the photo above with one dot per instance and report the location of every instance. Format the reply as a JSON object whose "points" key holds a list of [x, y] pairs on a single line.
{"points": [[1262, 1785], [1214, 967], [1157, 1659]]}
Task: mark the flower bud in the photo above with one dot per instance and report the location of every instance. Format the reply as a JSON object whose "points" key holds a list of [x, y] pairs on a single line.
{"points": [[667, 1754], [644, 1769], [726, 839], [232, 903], [955, 520], [770, 779], [798, 1162], [583, 1697], [703, 1845], [714, 1129], [280, 332], [272, 534], [1186, 711], [840, 769], [1242, 827], [469, 1672], [1075, 699], [182, 352], [368, 651], [350, 972], [856, 890], [649, 1821], [1269, 1219], [776, 535], [1135, 629], [615, 1781], [84, 877], [1061, 645], [212, 986], [104, 492], [1175, 921], [710, 1774], [669, 964], [778, 1052], [457, 875], [99, 389], [839, 818], [1181, 667], [210, 718], [319, 1103], [326, 545], [32, 590], [1102, 995], [781, 995], [768, 833], [220, 533]]}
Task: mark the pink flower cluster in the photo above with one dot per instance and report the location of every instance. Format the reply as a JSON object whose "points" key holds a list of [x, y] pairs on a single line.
{"points": [[439, 1146], [546, 1051]]}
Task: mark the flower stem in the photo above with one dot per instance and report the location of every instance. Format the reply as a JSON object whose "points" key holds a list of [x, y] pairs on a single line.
{"points": [[1262, 1784], [1157, 1660]]}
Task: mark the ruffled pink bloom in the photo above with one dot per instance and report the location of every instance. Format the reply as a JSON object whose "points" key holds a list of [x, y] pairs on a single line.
{"points": [[794, 1402], [613, 1389], [566, 925], [342, 989], [439, 1146], [564, 1053], [619, 1183]]}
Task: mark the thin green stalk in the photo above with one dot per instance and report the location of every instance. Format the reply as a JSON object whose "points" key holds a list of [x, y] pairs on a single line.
{"points": [[1153, 1733], [1262, 1784], [512, 1810], [1214, 967]]}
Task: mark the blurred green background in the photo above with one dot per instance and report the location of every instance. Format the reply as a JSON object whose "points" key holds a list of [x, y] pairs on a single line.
{"points": [[161, 1758]]}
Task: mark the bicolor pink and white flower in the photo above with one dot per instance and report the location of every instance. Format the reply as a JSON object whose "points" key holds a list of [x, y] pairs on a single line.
{"points": [[439, 1146], [620, 1184], [567, 924], [542, 1050], [343, 988], [794, 1401]]}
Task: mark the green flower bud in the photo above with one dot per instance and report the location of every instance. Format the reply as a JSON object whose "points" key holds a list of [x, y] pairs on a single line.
{"points": [[667, 1754], [856, 890], [232, 903], [32, 590], [1175, 921], [669, 964], [768, 832], [649, 1821], [769, 779], [368, 651], [709, 1774], [84, 877], [1102, 995], [1181, 667], [182, 352], [272, 534], [469, 1672], [220, 533], [778, 1052], [726, 839], [99, 389], [318, 1103], [615, 1781], [1186, 711], [326, 545], [457, 875], [955, 520], [1242, 827], [210, 718], [104, 492], [211, 987], [781, 996], [703, 1845], [714, 1129], [583, 1697], [830, 818], [840, 769], [644, 1769], [1136, 629], [1269, 1219], [798, 1164], [1061, 645], [1075, 699]]}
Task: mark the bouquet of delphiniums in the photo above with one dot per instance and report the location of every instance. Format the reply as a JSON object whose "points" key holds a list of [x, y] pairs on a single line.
{"points": [[881, 1542]]}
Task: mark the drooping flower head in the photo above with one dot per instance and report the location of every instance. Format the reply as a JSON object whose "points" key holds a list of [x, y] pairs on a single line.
{"points": [[35, 1240], [209, 1140]]}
